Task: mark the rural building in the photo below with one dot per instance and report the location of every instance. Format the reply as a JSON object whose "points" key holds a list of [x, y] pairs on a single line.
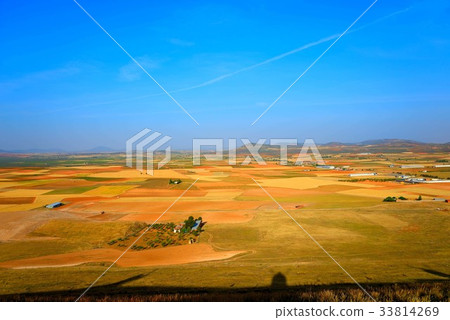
{"points": [[325, 167], [178, 228], [417, 180], [423, 180], [442, 166], [437, 181], [411, 166], [439, 199], [196, 225], [362, 174], [54, 205]]}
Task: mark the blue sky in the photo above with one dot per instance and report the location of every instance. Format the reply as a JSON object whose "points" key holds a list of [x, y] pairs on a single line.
{"points": [[65, 84]]}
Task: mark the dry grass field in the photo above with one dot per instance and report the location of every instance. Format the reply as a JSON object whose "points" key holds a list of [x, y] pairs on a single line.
{"points": [[398, 250]]}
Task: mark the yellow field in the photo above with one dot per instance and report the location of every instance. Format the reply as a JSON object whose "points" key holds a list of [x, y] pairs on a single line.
{"points": [[303, 183], [109, 190], [247, 238]]}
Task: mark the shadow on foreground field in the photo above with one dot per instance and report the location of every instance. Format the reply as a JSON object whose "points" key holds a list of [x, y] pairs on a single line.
{"points": [[431, 290]]}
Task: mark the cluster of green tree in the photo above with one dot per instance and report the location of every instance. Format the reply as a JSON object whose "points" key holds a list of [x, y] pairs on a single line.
{"points": [[134, 229], [394, 199], [163, 242], [160, 235], [431, 176], [189, 224], [390, 199], [137, 248], [163, 226]]}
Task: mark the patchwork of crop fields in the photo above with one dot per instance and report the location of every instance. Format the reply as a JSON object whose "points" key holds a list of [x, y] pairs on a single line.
{"points": [[246, 238]]}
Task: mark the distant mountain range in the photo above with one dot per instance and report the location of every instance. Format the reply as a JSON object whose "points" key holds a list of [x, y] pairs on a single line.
{"points": [[391, 142], [380, 145], [368, 146]]}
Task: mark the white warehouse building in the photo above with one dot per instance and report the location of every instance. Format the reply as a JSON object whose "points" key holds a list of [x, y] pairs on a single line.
{"points": [[362, 174]]}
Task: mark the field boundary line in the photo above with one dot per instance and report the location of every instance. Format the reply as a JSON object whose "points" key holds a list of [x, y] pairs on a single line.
{"points": [[126, 250], [315, 241], [137, 63], [312, 64]]}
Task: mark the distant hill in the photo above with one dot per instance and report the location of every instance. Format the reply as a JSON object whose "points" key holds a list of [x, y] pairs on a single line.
{"points": [[371, 146], [100, 149], [34, 151], [377, 142], [368, 146]]}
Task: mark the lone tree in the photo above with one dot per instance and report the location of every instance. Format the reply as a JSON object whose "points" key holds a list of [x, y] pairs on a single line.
{"points": [[176, 181], [390, 199]]}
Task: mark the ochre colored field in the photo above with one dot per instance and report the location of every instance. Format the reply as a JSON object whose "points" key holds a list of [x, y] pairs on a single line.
{"points": [[17, 200], [303, 183], [109, 190], [246, 239], [156, 257]]}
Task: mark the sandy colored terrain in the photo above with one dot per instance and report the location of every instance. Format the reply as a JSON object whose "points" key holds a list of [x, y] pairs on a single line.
{"points": [[109, 190], [159, 207], [105, 205], [132, 173], [413, 190], [17, 225], [147, 192], [307, 183], [17, 200], [155, 257]]}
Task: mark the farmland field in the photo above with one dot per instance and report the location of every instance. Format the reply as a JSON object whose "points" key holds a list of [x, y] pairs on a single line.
{"points": [[247, 244]]}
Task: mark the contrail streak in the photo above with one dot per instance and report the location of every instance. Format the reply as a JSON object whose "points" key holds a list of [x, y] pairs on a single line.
{"points": [[248, 68]]}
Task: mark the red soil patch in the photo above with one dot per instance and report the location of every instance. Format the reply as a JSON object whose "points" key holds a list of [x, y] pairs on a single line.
{"points": [[216, 185], [147, 192], [334, 188], [83, 199], [17, 200], [226, 217], [22, 170], [28, 178], [154, 257], [411, 228], [159, 207], [281, 192]]}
